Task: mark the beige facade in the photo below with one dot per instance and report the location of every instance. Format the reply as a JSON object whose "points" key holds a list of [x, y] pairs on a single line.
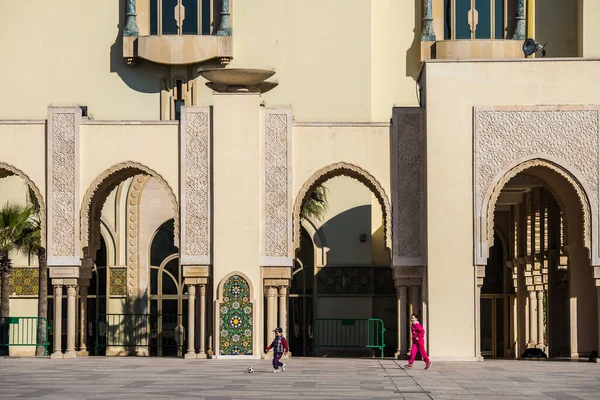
{"points": [[462, 177]]}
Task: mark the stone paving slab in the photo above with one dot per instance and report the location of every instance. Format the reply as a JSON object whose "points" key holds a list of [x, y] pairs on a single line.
{"points": [[134, 378]]}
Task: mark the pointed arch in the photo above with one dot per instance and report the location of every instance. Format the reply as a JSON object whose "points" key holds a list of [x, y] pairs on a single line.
{"points": [[101, 187], [351, 171], [485, 223], [8, 170]]}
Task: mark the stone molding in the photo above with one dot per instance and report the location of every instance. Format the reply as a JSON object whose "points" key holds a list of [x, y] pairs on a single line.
{"points": [[508, 140], [195, 185], [106, 182], [9, 170], [132, 229], [276, 182], [408, 187], [62, 163], [351, 171]]}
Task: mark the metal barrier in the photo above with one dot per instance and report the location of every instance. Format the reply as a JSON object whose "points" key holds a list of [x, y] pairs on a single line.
{"points": [[357, 333], [132, 331], [22, 331]]}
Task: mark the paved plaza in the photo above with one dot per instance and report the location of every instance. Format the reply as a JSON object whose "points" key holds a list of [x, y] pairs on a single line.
{"points": [[307, 378]]}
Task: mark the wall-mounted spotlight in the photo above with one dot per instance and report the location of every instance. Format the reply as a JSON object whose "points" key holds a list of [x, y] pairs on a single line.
{"points": [[531, 46]]}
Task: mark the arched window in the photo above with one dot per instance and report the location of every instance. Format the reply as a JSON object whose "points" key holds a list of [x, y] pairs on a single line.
{"points": [[478, 19], [180, 17]]}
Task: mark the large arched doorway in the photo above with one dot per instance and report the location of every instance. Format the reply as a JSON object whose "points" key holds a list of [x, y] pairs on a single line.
{"points": [[545, 295], [342, 264], [132, 250]]}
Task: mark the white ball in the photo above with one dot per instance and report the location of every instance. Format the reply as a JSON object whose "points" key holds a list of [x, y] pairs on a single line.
{"points": [[250, 370]]}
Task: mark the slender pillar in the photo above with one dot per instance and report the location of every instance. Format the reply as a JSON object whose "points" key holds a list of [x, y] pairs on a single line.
{"points": [[598, 295], [532, 320], [401, 296], [225, 26], [283, 309], [520, 28], [131, 28], [413, 292], [540, 318], [191, 352], [427, 33], [57, 353], [202, 317], [83, 320], [71, 325], [478, 322], [271, 313]]}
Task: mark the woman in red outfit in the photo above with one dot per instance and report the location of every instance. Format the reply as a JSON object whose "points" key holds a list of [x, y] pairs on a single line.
{"points": [[418, 339]]}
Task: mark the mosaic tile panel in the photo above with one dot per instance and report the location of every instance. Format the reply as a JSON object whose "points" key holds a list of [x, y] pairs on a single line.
{"points": [[118, 281], [352, 281], [24, 282], [235, 318]]}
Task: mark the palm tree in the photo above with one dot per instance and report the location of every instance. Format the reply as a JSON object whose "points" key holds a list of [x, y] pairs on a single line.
{"points": [[32, 244], [315, 204], [14, 219]]}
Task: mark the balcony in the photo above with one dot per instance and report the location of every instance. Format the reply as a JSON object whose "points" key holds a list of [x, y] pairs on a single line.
{"points": [[177, 32]]}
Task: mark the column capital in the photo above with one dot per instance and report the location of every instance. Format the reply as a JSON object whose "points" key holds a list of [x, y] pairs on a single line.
{"points": [[283, 290], [271, 291], [191, 289], [540, 294], [71, 290], [401, 291], [202, 289]]}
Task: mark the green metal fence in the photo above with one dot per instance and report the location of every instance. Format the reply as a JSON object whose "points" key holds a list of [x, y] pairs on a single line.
{"points": [[160, 334], [344, 333], [22, 331]]}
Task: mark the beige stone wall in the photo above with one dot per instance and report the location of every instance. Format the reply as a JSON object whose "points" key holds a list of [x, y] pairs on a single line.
{"points": [[453, 89]]}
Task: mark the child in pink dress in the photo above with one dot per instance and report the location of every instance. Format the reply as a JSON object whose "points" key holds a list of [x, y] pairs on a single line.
{"points": [[418, 339]]}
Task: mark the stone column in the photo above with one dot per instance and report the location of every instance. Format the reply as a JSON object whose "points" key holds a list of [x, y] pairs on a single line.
{"points": [[540, 319], [413, 292], [202, 317], [71, 325], [225, 26], [283, 309], [191, 352], [532, 320], [479, 276], [271, 293], [519, 33], [598, 295], [57, 353], [401, 295], [83, 321], [427, 33]]}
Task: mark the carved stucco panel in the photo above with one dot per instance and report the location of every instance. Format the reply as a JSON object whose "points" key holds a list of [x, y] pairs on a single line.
{"points": [[276, 185], [407, 221], [196, 172], [568, 136], [63, 181]]}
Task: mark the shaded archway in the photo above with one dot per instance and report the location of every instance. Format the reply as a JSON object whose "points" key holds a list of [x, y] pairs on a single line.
{"points": [[351, 171], [546, 217]]}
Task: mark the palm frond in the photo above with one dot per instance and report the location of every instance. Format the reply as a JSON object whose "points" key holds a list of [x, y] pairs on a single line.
{"points": [[315, 206]]}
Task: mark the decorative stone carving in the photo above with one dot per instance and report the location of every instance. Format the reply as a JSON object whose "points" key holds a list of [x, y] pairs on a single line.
{"points": [[195, 185], [132, 229], [63, 180], [277, 178], [9, 170], [564, 139], [99, 190], [408, 187], [351, 171]]}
